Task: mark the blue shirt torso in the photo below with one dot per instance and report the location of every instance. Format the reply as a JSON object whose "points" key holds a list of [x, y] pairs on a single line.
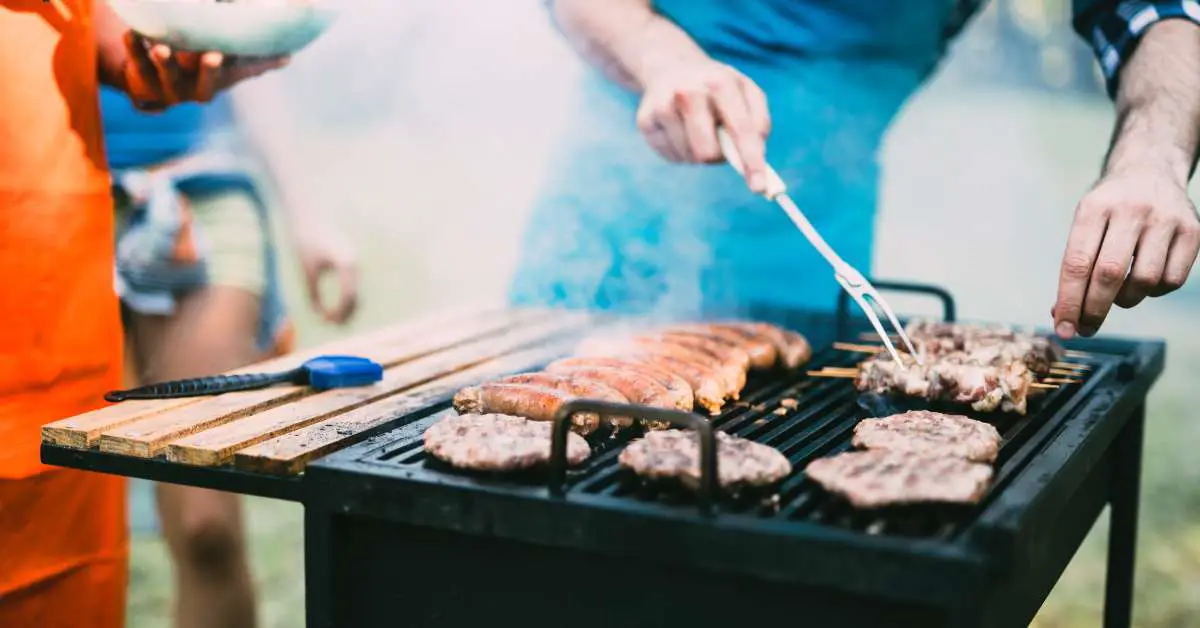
{"points": [[774, 31], [136, 139], [618, 228]]}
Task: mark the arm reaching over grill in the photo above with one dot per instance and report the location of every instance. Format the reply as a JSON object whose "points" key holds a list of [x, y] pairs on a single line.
{"points": [[986, 388]]}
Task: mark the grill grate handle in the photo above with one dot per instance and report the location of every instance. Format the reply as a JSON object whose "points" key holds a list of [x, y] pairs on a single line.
{"points": [[706, 496]]}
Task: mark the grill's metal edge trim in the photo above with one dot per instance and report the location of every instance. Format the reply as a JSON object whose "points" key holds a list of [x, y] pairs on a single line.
{"points": [[222, 478], [678, 538], [1034, 495]]}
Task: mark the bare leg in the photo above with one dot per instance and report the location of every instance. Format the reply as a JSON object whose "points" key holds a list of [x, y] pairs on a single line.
{"points": [[212, 331]]}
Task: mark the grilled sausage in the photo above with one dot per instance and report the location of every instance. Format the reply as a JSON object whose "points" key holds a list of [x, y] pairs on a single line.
{"points": [[679, 392], [638, 388], [532, 402], [793, 349], [722, 351], [730, 378], [707, 385], [580, 387], [761, 351]]}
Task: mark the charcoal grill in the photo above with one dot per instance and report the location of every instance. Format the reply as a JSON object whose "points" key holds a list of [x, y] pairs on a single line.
{"points": [[392, 538]]}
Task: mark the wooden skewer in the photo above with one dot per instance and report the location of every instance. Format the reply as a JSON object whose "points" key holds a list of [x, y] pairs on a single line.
{"points": [[1071, 365], [1061, 380], [1044, 386], [838, 374], [849, 346], [1066, 372], [1070, 353]]}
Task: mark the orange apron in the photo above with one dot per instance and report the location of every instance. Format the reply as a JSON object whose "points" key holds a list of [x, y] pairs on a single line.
{"points": [[63, 534]]}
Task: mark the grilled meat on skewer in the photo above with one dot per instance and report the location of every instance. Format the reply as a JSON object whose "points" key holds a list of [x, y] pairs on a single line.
{"points": [[985, 388], [675, 454], [990, 344], [497, 442], [931, 433], [878, 478]]}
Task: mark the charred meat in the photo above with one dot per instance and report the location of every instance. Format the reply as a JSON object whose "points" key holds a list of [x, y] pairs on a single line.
{"points": [[985, 388], [675, 455], [984, 344], [497, 442], [524, 400], [879, 478], [930, 433]]}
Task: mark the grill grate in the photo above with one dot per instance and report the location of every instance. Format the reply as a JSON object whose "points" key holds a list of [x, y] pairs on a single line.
{"points": [[818, 424]]}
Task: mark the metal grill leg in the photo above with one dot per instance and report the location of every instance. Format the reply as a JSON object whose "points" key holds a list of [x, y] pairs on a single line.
{"points": [[1123, 514], [318, 583]]}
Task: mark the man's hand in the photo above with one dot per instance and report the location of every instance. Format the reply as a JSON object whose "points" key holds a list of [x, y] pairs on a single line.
{"points": [[683, 104], [1136, 235], [156, 77]]}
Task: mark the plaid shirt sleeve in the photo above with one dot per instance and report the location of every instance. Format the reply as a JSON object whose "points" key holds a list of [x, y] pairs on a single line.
{"points": [[1114, 27]]}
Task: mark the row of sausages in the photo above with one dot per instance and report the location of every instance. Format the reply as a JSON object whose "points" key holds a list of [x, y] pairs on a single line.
{"points": [[680, 366]]}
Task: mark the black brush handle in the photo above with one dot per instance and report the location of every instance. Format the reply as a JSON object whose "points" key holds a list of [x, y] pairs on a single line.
{"points": [[199, 386], [704, 431]]}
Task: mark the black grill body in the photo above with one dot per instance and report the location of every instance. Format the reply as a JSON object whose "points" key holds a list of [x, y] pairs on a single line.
{"points": [[394, 539]]}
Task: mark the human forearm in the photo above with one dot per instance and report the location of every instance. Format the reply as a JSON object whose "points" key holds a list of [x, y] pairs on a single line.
{"points": [[111, 55], [264, 119], [625, 39], [1158, 104]]}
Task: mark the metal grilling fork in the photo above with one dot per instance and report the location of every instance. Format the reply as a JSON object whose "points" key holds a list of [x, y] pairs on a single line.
{"points": [[850, 279]]}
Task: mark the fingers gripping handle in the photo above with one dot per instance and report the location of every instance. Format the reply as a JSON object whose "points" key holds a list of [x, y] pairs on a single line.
{"points": [[775, 184], [215, 385]]}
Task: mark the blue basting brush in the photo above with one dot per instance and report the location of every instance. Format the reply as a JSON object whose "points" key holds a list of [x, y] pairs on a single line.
{"points": [[322, 373]]}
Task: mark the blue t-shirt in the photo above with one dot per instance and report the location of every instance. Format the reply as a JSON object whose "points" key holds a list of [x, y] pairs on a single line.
{"points": [[618, 228], [135, 138]]}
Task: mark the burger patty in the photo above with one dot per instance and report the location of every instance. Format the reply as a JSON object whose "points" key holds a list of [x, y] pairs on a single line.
{"points": [[497, 442], [878, 478], [926, 432], [675, 454]]}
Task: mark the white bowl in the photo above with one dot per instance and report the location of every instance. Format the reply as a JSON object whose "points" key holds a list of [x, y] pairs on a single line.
{"points": [[252, 28]]}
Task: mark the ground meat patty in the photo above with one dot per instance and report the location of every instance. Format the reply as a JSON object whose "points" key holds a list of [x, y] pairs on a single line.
{"points": [[497, 442], [877, 478], [926, 432], [675, 454], [579, 387], [681, 394], [793, 348], [762, 352], [524, 400]]}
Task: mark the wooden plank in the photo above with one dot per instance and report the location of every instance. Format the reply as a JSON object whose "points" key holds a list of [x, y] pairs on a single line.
{"points": [[216, 446], [83, 430], [147, 437], [289, 453]]}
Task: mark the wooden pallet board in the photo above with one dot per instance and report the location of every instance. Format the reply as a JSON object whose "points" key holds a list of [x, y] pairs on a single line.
{"points": [[421, 357], [216, 445], [84, 430]]}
